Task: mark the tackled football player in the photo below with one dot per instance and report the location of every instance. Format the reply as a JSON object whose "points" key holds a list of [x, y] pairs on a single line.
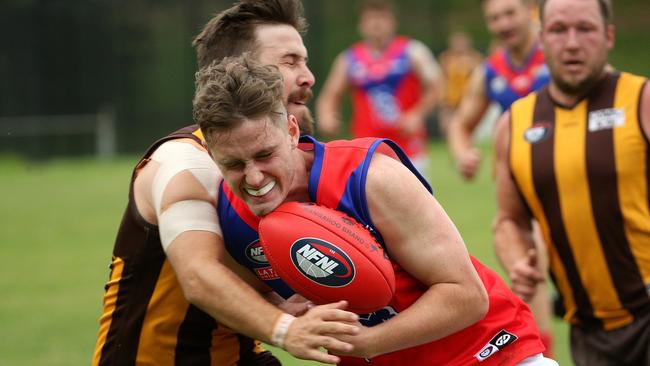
{"points": [[448, 309]]}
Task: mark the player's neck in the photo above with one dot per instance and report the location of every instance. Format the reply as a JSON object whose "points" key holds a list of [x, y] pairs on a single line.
{"points": [[379, 44], [300, 186], [569, 98], [519, 54]]}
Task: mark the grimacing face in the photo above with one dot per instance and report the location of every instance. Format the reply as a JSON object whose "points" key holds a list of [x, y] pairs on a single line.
{"points": [[282, 46], [508, 21], [576, 43], [256, 160]]}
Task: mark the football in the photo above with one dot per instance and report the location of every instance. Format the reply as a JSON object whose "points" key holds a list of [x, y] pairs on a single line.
{"points": [[327, 256]]}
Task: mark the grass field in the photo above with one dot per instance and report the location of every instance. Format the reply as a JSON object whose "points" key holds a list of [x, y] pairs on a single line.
{"points": [[58, 222]]}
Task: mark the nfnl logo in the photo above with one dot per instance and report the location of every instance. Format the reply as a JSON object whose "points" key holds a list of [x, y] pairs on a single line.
{"points": [[255, 253], [497, 343], [322, 262]]}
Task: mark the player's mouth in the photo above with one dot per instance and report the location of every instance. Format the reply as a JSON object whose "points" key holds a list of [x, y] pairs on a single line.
{"points": [[573, 65], [300, 97], [261, 191]]}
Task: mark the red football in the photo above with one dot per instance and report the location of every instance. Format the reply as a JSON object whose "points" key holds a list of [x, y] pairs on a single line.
{"points": [[327, 256]]}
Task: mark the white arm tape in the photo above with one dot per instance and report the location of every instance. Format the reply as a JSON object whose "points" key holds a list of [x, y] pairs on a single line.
{"points": [[185, 216], [175, 157], [281, 328]]}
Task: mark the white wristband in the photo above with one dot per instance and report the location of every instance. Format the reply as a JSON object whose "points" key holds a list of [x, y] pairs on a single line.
{"points": [[280, 329]]}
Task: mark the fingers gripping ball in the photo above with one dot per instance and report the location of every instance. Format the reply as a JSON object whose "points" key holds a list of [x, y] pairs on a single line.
{"points": [[327, 256]]}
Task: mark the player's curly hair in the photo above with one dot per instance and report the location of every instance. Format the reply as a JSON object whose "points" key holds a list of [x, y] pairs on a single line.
{"points": [[234, 90], [232, 32]]}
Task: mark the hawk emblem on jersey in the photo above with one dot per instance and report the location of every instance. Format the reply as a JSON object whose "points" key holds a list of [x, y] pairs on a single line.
{"points": [[322, 262], [606, 119], [255, 253], [538, 132]]}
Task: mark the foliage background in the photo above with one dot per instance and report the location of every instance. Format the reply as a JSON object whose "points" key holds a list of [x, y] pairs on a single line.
{"points": [[134, 57]]}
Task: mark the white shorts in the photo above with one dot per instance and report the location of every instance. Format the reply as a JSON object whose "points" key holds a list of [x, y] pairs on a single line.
{"points": [[538, 360]]}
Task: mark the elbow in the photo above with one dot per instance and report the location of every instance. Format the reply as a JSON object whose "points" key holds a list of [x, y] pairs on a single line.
{"points": [[478, 303]]}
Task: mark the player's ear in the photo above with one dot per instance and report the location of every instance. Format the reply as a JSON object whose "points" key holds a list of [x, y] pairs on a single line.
{"points": [[293, 128], [611, 32]]}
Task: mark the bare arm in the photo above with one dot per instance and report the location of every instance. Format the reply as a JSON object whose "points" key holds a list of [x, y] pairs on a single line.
{"points": [[328, 105], [461, 128], [421, 238], [645, 109], [512, 228], [428, 71]]}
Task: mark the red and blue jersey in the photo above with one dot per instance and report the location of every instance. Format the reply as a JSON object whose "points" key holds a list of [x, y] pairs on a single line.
{"points": [[505, 82], [505, 336], [384, 86]]}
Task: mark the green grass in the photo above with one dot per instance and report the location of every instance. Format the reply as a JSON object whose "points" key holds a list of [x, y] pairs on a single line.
{"points": [[59, 221]]}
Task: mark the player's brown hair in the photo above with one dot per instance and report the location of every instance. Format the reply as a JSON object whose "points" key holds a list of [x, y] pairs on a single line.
{"points": [[233, 90], [380, 5], [606, 10], [232, 32]]}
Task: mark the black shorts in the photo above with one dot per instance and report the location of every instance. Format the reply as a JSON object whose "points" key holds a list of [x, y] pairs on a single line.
{"points": [[625, 346]]}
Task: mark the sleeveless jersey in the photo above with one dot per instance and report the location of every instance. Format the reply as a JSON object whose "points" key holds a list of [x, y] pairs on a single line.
{"points": [[458, 69], [337, 180], [146, 319], [506, 83], [583, 172], [383, 87]]}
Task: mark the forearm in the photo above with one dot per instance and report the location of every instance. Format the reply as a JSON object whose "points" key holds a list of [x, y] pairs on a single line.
{"points": [[443, 310], [427, 101], [460, 137], [231, 302], [328, 118], [512, 240]]}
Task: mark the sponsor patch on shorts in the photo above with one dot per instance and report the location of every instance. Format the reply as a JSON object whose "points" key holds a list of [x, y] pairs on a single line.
{"points": [[500, 341]]}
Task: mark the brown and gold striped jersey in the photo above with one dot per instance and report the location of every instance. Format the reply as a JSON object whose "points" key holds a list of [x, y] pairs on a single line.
{"points": [[146, 319], [584, 173]]}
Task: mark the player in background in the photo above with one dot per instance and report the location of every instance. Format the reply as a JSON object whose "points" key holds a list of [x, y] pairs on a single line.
{"points": [[457, 63], [171, 299], [513, 70], [574, 156], [394, 82], [448, 309]]}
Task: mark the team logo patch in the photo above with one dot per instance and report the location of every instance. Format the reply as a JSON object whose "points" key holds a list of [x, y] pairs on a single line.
{"points": [[538, 132], [500, 341], [498, 85], [255, 253], [606, 119], [322, 262]]}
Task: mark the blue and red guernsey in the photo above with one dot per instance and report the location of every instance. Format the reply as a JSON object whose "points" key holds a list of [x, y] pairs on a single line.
{"points": [[505, 83], [337, 180], [383, 87]]}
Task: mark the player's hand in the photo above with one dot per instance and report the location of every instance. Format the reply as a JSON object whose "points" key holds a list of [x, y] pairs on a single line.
{"points": [[410, 123], [525, 276], [468, 163], [296, 305], [321, 326], [361, 342]]}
